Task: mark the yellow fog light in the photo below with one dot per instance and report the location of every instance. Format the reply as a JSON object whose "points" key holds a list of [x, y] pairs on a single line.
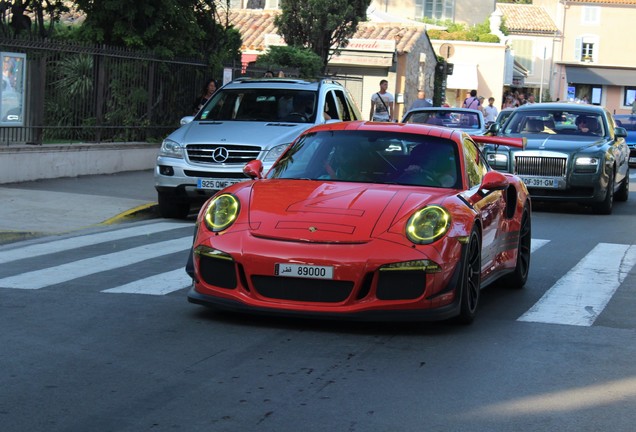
{"points": [[428, 224], [427, 266], [221, 212]]}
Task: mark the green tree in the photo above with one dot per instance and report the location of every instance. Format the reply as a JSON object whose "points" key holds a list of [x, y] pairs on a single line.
{"points": [[308, 62], [169, 27], [320, 24], [17, 16]]}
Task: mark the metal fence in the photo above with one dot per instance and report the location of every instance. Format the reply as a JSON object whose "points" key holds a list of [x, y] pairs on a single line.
{"points": [[80, 93]]}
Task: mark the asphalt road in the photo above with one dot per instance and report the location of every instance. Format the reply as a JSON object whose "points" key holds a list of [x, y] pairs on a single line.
{"points": [[98, 335]]}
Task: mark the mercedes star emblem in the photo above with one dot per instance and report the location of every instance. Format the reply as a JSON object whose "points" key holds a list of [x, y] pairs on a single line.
{"points": [[220, 154]]}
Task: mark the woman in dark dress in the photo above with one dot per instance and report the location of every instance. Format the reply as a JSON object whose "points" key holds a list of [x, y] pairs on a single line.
{"points": [[206, 93]]}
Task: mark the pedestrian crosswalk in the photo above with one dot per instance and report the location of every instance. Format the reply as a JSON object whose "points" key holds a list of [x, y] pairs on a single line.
{"points": [[577, 298]]}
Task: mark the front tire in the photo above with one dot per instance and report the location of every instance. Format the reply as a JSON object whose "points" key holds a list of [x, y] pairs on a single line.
{"points": [[605, 206], [470, 288], [623, 192]]}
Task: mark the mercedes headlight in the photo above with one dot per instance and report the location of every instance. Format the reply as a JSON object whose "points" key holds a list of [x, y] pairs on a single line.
{"points": [[221, 212], [428, 224], [171, 148], [274, 153]]}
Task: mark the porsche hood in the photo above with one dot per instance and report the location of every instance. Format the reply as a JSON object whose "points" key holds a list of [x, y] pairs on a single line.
{"points": [[331, 212]]}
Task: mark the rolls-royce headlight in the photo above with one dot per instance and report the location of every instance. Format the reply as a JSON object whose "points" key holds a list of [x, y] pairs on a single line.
{"points": [[428, 224], [274, 153], [171, 148], [498, 161], [586, 164], [586, 161], [221, 212], [497, 158]]}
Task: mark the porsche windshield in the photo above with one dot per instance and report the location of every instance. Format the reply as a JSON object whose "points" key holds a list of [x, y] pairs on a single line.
{"points": [[372, 157], [261, 104]]}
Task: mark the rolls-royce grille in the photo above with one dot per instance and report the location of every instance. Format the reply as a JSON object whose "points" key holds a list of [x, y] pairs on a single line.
{"points": [[217, 153], [540, 166]]}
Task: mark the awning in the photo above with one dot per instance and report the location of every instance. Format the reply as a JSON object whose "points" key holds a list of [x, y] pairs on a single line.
{"points": [[600, 76], [464, 77]]}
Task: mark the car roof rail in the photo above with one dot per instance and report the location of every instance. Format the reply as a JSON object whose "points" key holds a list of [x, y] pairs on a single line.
{"points": [[271, 80]]}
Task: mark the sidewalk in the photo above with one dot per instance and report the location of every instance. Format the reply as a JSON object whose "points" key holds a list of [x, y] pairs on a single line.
{"points": [[55, 206]]}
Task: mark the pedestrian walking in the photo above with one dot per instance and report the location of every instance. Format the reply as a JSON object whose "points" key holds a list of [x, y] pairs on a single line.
{"points": [[206, 93], [490, 111], [471, 101], [382, 104], [421, 101]]}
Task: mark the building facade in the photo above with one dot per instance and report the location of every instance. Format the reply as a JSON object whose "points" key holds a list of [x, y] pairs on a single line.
{"points": [[398, 51], [593, 61], [461, 11]]}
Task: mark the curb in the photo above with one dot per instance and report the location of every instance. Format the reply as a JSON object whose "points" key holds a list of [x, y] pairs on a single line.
{"points": [[144, 211]]}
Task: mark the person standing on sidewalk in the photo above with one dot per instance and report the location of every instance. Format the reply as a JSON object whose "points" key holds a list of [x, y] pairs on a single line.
{"points": [[472, 101], [421, 101], [382, 104], [490, 111]]}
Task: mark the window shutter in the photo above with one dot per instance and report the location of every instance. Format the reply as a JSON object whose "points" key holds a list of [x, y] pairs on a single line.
{"points": [[577, 48]]}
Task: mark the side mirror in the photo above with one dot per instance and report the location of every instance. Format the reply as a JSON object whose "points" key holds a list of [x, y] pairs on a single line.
{"points": [[186, 120], [620, 132], [254, 169], [494, 128], [494, 180]]}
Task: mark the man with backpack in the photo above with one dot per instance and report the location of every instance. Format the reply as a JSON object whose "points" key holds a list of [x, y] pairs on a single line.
{"points": [[472, 101]]}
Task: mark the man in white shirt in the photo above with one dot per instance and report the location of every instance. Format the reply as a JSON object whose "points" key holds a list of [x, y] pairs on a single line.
{"points": [[382, 104], [490, 111]]}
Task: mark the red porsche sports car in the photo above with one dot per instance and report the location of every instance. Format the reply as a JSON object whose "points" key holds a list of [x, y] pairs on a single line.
{"points": [[365, 220]]}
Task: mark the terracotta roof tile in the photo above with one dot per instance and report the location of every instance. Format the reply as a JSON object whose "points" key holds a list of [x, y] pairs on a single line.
{"points": [[254, 24], [525, 18]]}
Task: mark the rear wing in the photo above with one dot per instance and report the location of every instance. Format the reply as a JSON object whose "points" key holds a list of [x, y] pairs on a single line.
{"points": [[498, 140]]}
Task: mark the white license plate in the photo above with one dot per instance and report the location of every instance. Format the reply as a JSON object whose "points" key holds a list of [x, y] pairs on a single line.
{"points": [[540, 182], [216, 184], [632, 160], [303, 271]]}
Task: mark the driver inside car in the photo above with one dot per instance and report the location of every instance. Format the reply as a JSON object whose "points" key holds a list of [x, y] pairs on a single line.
{"points": [[430, 165]]}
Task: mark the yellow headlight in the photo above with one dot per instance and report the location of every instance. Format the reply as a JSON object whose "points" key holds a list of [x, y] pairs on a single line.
{"points": [[221, 212], [428, 224]]}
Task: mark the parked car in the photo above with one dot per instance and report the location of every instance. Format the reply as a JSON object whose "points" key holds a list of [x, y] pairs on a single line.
{"points": [[244, 120], [564, 161], [348, 225], [503, 115], [467, 120], [628, 121]]}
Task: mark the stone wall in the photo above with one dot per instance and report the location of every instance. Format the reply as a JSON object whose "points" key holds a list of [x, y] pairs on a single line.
{"points": [[27, 163]]}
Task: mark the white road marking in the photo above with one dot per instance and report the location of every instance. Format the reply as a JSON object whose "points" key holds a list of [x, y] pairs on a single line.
{"points": [[85, 240], [159, 284], [580, 296], [537, 243], [63, 273]]}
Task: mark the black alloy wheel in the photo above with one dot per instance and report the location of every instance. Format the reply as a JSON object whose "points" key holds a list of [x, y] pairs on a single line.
{"points": [[518, 278], [470, 280], [622, 194], [605, 206]]}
